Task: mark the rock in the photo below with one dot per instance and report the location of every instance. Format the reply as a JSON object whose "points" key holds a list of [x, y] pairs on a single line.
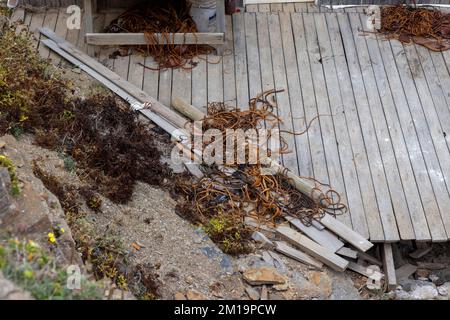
{"points": [[252, 293], [277, 261], [423, 273], [281, 287], [442, 276], [420, 292], [444, 290], [262, 240], [195, 295], [9, 291], [36, 215], [2, 144], [263, 275], [267, 258], [179, 296], [264, 293]]}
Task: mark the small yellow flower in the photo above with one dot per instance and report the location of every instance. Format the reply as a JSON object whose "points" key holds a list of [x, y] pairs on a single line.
{"points": [[23, 118], [51, 237], [62, 230]]}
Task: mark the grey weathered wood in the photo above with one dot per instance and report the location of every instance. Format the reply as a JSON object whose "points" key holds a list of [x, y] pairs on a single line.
{"points": [[369, 258], [397, 193], [89, 10], [240, 58], [297, 254], [283, 103], [346, 233], [360, 155], [253, 66], [251, 8], [297, 111], [344, 154], [319, 167], [288, 7], [229, 80], [151, 77], [393, 130], [325, 114], [108, 39], [215, 78], [405, 271], [200, 84], [388, 266], [420, 252], [316, 250], [140, 95], [265, 7], [324, 237], [347, 252], [181, 84], [390, 83]]}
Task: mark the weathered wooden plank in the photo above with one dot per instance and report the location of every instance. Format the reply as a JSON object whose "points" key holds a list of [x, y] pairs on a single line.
{"points": [[251, 8], [295, 96], [369, 258], [151, 77], [344, 152], [347, 252], [215, 78], [200, 84], [229, 80], [350, 115], [319, 166], [265, 7], [36, 22], [265, 54], [432, 145], [240, 59], [89, 10], [393, 130], [115, 39], [136, 70], [388, 266], [181, 84], [373, 152], [297, 255], [276, 7], [253, 65], [442, 74], [365, 271], [324, 237], [405, 271], [325, 114], [376, 114], [316, 250], [288, 7], [390, 85], [283, 103], [346, 233], [301, 7]]}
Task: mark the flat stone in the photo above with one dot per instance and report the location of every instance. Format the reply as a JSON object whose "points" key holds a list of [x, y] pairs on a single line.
{"points": [[281, 287], [195, 295], [252, 293], [179, 296], [263, 275]]}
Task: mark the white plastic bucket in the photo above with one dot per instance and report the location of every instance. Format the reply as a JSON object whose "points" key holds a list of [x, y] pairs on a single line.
{"points": [[204, 13]]}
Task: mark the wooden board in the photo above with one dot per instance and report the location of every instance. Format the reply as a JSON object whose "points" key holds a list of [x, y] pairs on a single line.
{"points": [[111, 39], [346, 233], [324, 237], [297, 254], [316, 250], [388, 266]]}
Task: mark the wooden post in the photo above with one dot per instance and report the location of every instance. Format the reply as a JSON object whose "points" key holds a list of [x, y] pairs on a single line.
{"points": [[388, 266], [89, 8], [220, 20]]}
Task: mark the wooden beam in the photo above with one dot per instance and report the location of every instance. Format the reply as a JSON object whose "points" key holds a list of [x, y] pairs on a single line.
{"points": [[405, 271], [139, 95], [89, 20], [116, 39], [295, 254], [347, 252], [346, 233], [316, 250], [324, 237], [388, 266]]}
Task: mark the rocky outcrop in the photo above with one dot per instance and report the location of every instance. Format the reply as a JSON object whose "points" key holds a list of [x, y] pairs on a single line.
{"points": [[35, 211], [9, 291]]}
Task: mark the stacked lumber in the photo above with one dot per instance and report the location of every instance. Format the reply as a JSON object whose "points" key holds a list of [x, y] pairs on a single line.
{"points": [[326, 242]]}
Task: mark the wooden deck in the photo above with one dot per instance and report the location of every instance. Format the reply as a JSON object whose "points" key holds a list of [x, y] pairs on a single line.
{"points": [[382, 138]]}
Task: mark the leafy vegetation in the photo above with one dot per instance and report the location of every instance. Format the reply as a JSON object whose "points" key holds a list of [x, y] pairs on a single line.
{"points": [[7, 163], [30, 267]]}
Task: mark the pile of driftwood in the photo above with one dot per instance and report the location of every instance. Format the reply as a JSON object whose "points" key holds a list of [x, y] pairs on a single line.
{"points": [[325, 241]]}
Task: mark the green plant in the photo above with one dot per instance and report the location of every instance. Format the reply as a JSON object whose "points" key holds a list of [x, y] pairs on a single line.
{"points": [[7, 163], [30, 267]]}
